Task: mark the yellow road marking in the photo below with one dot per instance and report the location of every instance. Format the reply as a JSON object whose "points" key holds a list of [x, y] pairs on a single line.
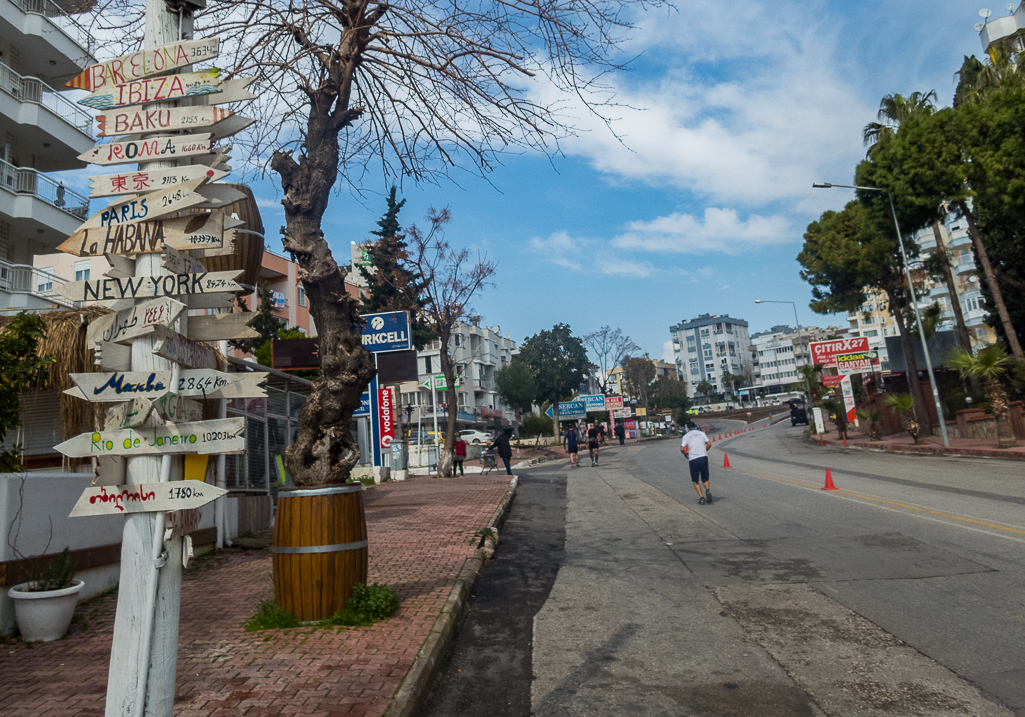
{"points": [[973, 521]]}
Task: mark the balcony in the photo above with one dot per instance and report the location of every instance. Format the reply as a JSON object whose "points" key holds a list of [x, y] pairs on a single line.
{"points": [[60, 45], [39, 206], [938, 291], [927, 243], [960, 240], [965, 267], [25, 287], [57, 129]]}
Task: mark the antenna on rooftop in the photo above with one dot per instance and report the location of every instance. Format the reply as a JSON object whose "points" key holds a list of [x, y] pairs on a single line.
{"points": [[1009, 7], [984, 13]]}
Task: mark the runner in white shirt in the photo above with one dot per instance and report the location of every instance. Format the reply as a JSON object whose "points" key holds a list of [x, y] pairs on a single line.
{"points": [[695, 446]]}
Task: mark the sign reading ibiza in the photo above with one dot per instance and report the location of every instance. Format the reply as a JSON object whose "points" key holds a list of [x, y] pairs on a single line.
{"points": [[387, 332]]}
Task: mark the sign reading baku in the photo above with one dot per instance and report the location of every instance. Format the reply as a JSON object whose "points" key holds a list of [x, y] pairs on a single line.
{"points": [[387, 332], [136, 120], [145, 498], [221, 435]]}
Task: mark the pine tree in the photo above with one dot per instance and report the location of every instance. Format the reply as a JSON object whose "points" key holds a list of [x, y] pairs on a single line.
{"points": [[391, 286], [267, 324]]}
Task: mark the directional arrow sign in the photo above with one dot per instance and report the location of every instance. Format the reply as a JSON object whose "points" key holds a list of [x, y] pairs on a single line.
{"points": [[222, 435], [218, 160], [145, 498], [121, 267], [149, 149], [177, 409], [194, 383], [112, 357], [131, 323], [178, 262], [229, 126], [195, 230], [128, 414], [137, 120], [179, 349], [210, 301], [231, 91], [134, 182], [143, 63], [131, 210], [148, 287], [218, 195], [218, 327], [154, 89]]}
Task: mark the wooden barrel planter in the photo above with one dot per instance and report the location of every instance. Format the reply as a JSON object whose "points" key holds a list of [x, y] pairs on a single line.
{"points": [[320, 549]]}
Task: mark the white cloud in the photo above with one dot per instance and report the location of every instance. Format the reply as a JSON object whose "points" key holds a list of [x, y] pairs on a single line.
{"points": [[724, 287], [622, 267], [269, 203], [667, 352], [719, 230]]}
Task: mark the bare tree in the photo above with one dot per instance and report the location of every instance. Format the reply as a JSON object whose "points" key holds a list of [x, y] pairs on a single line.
{"points": [[609, 347], [449, 282]]}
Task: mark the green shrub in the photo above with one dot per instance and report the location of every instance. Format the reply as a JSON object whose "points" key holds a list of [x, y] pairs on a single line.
{"points": [[53, 574], [367, 605], [535, 425], [271, 616]]}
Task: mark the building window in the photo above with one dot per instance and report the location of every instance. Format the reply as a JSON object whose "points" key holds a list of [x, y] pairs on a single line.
{"points": [[427, 364], [82, 270], [45, 281], [871, 333], [301, 295]]}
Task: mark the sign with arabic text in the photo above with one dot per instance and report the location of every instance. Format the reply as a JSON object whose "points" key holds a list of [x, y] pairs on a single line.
{"points": [[139, 320]]}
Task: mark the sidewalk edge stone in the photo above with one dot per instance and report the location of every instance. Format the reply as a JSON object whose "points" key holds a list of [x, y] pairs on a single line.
{"points": [[927, 450], [410, 696]]}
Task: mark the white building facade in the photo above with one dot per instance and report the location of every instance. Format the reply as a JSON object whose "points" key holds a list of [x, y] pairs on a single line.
{"points": [[709, 345]]}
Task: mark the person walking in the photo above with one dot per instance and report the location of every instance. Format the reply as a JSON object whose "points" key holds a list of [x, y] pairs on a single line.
{"points": [[620, 432], [570, 439], [460, 456], [695, 446], [602, 432], [592, 444], [501, 444]]}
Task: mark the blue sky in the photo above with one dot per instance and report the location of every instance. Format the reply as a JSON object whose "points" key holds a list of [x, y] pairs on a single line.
{"points": [[739, 107]]}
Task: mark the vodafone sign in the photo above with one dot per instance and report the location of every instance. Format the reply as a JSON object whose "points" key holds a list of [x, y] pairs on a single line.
{"points": [[825, 352], [386, 416]]}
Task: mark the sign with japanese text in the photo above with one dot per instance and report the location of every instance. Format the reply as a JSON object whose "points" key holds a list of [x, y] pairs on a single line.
{"points": [[145, 498], [130, 210], [146, 180], [825, 352]]}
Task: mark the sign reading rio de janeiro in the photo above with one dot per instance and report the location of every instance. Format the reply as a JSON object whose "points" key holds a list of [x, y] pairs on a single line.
{"points": [[221, 435], [387, 332]]}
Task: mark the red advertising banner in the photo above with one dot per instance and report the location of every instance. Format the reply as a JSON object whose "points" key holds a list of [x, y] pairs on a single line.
{"points": [[613, 403], [825, 352], [831, 380], [386, 415]]}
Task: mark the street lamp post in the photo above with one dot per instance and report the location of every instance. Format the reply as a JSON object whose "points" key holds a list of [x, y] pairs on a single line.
{"points": [[914, 300], [800, 339]]}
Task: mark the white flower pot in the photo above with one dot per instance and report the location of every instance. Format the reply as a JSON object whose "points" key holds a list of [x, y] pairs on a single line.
{"points": [[44, 616]]}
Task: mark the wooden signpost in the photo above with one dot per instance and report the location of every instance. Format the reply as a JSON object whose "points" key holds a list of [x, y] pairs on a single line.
{"points": [[135, 120], [178, 262], [149, 287], [112, 185], [131, 210], [143, 63], [149, 149], [145, 498], [204, 230], [179, 349], [230, 126], [154, 89], [218, 195], [177, 409], [221, 435], [193, 383], [230, 91], [131, 323], [112, 357], [127, 414], [218, 327]]}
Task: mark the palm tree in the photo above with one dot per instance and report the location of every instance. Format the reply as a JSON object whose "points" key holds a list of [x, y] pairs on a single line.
{"points": [[894, 110], [989, 364], [870, 416], [811, 378], [977, 79], [904, 405], [704, 388]]}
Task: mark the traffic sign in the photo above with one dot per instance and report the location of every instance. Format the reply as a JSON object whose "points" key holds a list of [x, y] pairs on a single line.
{"points": [[144, 62], [387, 332], [146, 498], [136, 321], [221, 435], [136, 120], [193, 383], [145, 287], [440, 383]]}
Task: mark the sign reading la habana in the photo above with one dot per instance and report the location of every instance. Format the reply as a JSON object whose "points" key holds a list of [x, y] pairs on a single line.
{"points": [[145, 498], [193, 231], [221, 435]]}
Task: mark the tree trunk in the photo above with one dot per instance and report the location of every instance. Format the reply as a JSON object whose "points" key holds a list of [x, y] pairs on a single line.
{"points": [[998, 404], [446, 458], [914, 386], [991, 281], [324, 450]]}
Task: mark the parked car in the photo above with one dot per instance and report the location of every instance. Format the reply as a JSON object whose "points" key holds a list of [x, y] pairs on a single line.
{"points": [[798, 412], [430, 438], [471, 435]]}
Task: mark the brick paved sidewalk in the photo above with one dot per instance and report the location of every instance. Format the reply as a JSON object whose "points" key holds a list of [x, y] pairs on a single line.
{"points": [[421, 532]]}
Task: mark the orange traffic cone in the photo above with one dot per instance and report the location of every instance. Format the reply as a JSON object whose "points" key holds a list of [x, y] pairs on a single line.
{"points": [[726, 462], [829, 482]]}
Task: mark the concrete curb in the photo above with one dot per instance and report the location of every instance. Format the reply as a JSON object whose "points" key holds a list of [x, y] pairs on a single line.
{"points": [[925, 450], [413, 692]]}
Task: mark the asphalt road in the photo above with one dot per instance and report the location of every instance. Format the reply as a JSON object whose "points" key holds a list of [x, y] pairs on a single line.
{"points": [[613, 592]]}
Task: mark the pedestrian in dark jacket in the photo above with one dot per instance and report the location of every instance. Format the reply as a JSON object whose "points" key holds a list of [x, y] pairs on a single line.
{"points": [[620, 432], [501, 444]]}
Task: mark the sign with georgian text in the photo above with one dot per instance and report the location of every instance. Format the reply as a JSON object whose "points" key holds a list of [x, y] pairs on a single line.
{"points": [[149, 287], [145, 498], [193, 383], [221, 435], [140, 64], [136, 120]]}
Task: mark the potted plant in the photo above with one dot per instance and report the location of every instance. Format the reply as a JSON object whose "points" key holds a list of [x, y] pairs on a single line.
{"points": [[45, 604], [904, 405]]}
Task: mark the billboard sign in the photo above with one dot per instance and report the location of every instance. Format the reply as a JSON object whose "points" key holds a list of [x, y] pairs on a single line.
{"points": [[387, 332], [825, 352], [364, 406], [386, 416], [857, 362], [570, 411], [848, 397], [613, 403], [593, 402]]}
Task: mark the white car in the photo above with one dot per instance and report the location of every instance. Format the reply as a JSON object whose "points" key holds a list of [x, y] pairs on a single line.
{"points": [[473, 436]]}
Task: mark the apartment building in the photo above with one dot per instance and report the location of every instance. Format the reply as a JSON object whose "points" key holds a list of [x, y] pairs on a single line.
{"points": [[478, 352], [778, 355], [709, 345], [41, 132], [616, 385]]}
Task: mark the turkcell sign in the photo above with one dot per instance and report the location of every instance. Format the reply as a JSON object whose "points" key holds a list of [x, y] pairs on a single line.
{"points": [[364, 406], [387, 332], [593, 402]]}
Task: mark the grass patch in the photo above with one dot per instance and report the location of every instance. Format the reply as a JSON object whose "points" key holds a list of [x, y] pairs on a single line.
{"points": [[365, 480], [271, 617], [367, 606]]}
